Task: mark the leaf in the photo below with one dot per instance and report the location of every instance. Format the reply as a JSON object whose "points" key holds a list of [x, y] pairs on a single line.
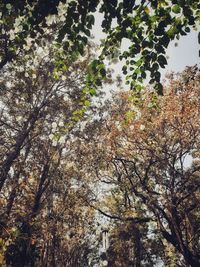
{"points": [[143, 75], [159, 48], [147, 10], [165, 40], [162, 60], [137, 71], [157, 76], [87, 103], [92, 91], [90, 20], [87, 32], [187, 29], [124, 69], [103, 73], [176, 9], [139, 62], [159, 88], [155, 66]]}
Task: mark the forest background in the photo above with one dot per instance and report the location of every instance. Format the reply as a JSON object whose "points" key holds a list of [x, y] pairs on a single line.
{"points": [[75, 161]]}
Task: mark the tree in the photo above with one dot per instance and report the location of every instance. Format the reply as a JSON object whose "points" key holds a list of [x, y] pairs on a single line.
{"points": [[57, 147], [43, 222], [148, 25], [151, 155]]}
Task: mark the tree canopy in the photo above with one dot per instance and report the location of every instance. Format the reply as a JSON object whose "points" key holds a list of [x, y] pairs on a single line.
{"points": [[149, 160], [149, 26], [88, 179]]}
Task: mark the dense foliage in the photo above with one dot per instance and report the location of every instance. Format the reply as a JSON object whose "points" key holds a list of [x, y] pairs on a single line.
{"points": [[73, 165], [149, 26], [148, 158], [40, 206], [135, 163]]}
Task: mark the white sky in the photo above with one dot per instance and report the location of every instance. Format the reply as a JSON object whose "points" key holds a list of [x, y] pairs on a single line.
{"points": [[185, 54]]}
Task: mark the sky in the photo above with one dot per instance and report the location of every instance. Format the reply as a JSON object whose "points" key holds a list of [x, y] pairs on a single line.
{"points": [[185, 54]]}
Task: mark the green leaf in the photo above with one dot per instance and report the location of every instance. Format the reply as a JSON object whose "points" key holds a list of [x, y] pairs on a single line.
{"points": [[162, 61], [90, 20], [187, 29], [87, 103], [87, 32], [159, 48], [155, 67], [157, 76], [124, 69], [172, 31], [92, 91], [176, 9], [139, 62], [137, 71]]}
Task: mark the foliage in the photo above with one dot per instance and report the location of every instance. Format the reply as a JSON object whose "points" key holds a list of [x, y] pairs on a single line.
{"points": [[43, 220], [151, 162], [69, 159], [149, 26]]}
